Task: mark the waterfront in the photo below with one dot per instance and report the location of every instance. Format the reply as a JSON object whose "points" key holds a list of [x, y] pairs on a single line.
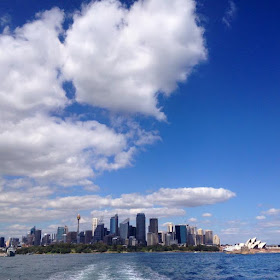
{"points": [[175, 266]]}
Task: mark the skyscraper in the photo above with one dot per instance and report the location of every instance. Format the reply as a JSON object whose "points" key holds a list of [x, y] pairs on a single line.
{"points": [[208, 237], [2, 242], [114, 224], [181, 234], [37, 240], [216, 240], [94, 224], [99, 233], [124, 229], [141, 228], [59, 235], [153, 227], [152, 238], [169, 227]]}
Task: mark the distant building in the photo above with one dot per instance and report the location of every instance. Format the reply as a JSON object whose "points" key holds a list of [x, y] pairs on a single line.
{"points": [[99, 233], [132, 231], [37, 240], [2, 242], [141, 228], [59, 234], [46, 240], [208, 237], [181, 234], [132, 241], [153, 227], [152, 236], [169, 227], [114, 225], [216, 240], [94, 224], [124, 229], [88, 236], [200, 237], [192, 239], [81, 237], [71, 237]]}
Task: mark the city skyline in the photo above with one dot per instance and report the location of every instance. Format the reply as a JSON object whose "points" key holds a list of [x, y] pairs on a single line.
{"points": [[123, 233], [163, 107]]}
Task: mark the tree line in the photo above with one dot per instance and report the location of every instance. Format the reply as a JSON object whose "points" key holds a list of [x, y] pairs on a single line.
{"points": [[64, 248]]}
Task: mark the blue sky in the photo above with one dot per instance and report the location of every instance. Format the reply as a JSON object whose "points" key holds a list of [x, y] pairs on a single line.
{"points": [[174, 110]]}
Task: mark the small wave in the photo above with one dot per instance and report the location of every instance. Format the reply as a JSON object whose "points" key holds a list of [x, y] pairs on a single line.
{"points": [[74, 275]]}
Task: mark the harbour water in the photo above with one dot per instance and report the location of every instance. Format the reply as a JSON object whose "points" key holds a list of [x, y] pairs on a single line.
{"points": [[138, 266]]}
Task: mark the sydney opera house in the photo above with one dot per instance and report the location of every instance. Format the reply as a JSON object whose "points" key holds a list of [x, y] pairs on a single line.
{"points": [[252, 243]]}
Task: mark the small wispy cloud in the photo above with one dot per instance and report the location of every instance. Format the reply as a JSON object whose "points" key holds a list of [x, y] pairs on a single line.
{"points": [[260, 217], [230, 13], [206, 215], [5, 20]]}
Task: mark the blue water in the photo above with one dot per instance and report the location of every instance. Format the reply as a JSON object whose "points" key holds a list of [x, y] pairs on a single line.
{"points": [[138, 266]]}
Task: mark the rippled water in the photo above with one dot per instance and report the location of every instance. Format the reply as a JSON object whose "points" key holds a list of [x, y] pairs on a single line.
{"points": [[140, 266]]}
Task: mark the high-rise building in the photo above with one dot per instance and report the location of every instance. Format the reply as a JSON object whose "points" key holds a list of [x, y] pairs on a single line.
{"points": [[153, 227], [2, 242], [94, 224], [46, 240], [37, 240], [200, 237], [152, 237], [32, 231], [124, 229], [71, 237], [114, 225], [208, 237], [169, 227], [59, 234], [132, 231], [88, 236], [141, 228], [181, 234], [99, 233], [216, 240]]}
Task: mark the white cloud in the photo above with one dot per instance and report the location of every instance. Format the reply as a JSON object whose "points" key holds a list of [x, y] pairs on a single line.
{"points": [[121, 59], [30, 58], [260, 217], [192, 220], [272, 212], [206, 215], [190, 197], [230, 13], [116, 60]]}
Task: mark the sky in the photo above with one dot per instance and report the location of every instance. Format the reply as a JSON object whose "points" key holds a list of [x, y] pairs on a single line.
{"points": [[170, 108]]}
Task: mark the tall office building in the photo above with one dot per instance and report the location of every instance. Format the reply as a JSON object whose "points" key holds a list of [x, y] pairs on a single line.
{"points": [[59, 234], [141, 228], [32, 231], [124, 229], [200, 237], [99, 233], [208, 237], [46, 240], [169, 227], [71, 237], [153, 227], [114, 225], [37, 240], [88, 236], [132, 231], [152, 237], [181, 234], [216, 240], [94, 224], [2, 242]]}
